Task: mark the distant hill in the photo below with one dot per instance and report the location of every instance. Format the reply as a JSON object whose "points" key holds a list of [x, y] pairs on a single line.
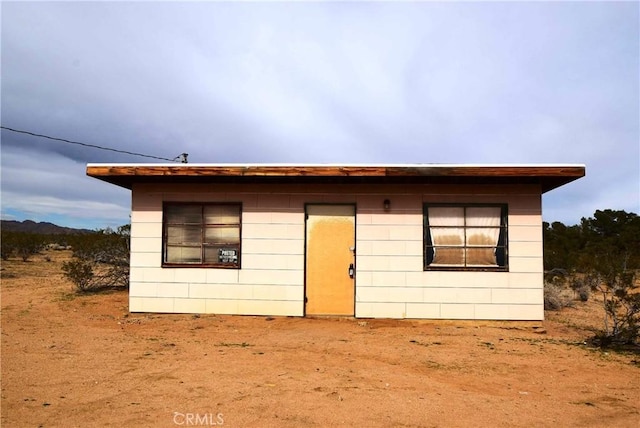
{"points": [[43, 228]]}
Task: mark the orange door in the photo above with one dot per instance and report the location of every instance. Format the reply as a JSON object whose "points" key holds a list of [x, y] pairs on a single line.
{"points": [[330, 246]]}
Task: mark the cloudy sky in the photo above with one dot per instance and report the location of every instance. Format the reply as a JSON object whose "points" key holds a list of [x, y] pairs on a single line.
{"points": [[332, 82]]}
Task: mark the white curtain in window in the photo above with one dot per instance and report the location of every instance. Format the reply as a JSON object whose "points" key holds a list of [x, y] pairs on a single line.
{"points": [[483, 232], [446, 225]]}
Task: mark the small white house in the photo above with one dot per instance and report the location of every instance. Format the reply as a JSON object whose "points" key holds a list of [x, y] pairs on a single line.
{"points": [[371, 241]]}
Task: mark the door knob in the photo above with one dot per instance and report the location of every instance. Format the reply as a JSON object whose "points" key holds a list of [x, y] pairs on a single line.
{"points": [[351, 270]]}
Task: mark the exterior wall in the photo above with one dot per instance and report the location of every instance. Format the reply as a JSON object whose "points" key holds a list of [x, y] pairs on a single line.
{"points": [[390, 281], [271, 281]]}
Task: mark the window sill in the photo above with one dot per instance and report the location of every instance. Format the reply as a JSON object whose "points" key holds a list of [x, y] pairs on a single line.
{"points": [[467, 269], [199, 266]]}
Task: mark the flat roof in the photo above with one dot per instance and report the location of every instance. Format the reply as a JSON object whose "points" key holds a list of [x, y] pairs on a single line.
{"points": [[548, 176]]}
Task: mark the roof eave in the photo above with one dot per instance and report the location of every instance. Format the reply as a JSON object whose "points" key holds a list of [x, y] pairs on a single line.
{"points": [[548, 176]]}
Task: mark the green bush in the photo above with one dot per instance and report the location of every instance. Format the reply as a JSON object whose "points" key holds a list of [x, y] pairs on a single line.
{"points": [[100, 260], [80, 272], [21, 244], [7, 245]]}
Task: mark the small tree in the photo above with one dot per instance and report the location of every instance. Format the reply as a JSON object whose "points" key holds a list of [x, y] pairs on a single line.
{"points": [[610, 260], [621, 307], [562, 245]]}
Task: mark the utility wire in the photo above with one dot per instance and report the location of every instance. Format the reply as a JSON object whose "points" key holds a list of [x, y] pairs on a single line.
{"points": [[182, 157]]}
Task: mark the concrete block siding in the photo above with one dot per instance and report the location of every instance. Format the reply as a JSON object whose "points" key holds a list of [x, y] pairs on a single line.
{"points": [[390, 280]]}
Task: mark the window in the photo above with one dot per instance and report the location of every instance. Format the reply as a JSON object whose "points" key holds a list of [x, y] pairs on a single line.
{"points": [[470, 237], [201, 235]]}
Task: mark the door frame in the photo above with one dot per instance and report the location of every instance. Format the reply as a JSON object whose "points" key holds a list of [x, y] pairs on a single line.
{"points": [[355, 241]]}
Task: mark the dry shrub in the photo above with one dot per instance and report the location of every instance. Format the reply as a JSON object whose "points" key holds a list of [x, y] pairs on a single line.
{"points": [[556, 297], [582, 287], [556, 293]]}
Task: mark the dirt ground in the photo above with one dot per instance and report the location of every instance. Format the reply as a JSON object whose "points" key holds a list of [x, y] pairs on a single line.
{"points": [[83, 361]]}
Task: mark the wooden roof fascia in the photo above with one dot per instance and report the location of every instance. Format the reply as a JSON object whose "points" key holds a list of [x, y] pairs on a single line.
{"points": [[549, 177], [360, 171], [232, 171], [492, 171]]}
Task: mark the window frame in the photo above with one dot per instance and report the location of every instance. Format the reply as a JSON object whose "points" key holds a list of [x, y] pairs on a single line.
{"points": [[503, 237], [203, 244]]}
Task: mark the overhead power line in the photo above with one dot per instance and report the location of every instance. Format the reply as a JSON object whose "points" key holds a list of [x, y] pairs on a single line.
{"points": [[180, 158]]}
